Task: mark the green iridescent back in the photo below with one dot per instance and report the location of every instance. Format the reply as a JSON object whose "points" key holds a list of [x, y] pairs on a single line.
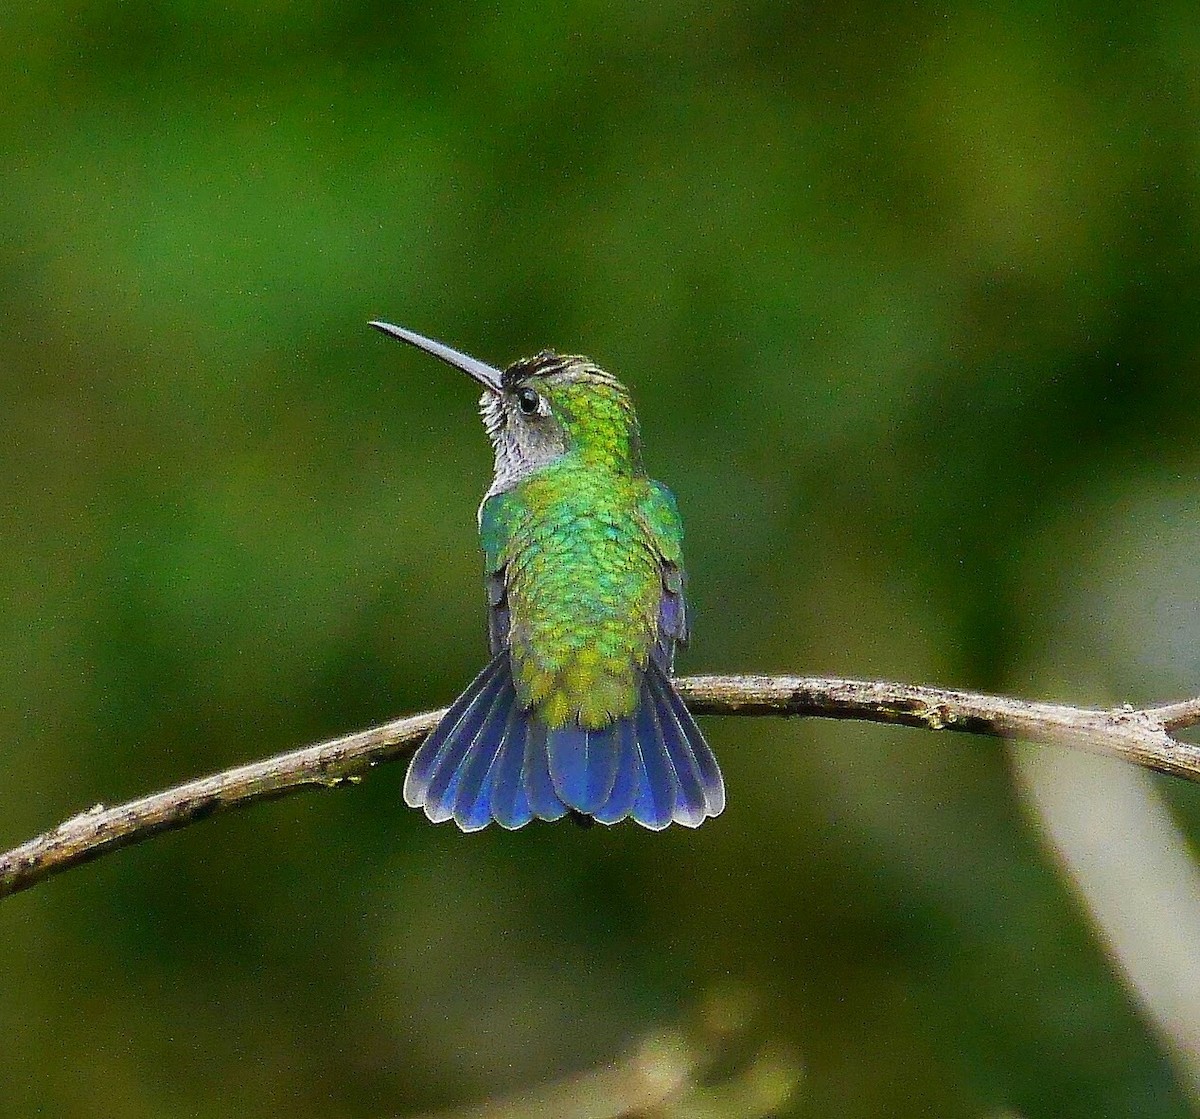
{"points": [[580, 546]]}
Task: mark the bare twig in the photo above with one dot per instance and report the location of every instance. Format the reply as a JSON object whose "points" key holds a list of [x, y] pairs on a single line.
{"points": [[1142, 737], [659, 1071], [711, 1064]]}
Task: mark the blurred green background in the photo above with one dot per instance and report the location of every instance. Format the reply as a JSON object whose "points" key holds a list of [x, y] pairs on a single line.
{"points": [[909, 297]]}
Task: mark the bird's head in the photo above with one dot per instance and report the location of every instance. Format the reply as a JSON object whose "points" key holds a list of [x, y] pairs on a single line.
{"points": [[544, 407]]}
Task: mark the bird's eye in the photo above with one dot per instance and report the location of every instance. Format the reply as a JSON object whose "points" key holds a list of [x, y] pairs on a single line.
{"points": [[528, 401]]}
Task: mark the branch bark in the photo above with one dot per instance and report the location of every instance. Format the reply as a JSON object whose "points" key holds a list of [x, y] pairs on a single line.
{"points": [[1142, 736]]}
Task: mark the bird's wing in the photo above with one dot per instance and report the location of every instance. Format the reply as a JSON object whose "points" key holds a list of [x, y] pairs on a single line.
{"points": [[497, 517], [660, 517]]}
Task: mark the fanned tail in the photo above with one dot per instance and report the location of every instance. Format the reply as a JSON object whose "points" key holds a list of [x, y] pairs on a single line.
{"points": [[665, 770], [471, 768], [490, 760]]}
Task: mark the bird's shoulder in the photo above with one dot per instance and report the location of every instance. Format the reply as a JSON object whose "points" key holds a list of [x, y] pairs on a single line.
{"points": [[583, 502], [660, 515]]}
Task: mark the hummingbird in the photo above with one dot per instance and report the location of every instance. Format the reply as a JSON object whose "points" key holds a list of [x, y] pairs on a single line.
{"points": [[575, 714]]}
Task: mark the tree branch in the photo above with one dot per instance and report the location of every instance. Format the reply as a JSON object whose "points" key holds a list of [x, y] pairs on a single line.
{"points": [[1141, 736], [712, 1063]]}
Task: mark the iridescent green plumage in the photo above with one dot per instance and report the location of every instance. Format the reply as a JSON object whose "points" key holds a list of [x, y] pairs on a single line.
{"points": [[585, 593], [583, 574]]}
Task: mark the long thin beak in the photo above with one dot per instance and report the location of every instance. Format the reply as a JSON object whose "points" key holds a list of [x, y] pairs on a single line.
{"points": [[477, 370]]}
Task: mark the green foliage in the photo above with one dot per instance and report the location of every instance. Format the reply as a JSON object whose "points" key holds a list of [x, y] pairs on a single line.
{"points": [[907, 297]]}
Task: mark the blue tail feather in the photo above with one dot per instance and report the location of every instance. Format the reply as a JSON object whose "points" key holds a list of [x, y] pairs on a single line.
{"points": [[434, 764], [424, 761], [489, 759], [583, 765], [706, 763], [471, 749], [690, 808], [654, 806], [509, 802], [472, 797], [543, 800], [628, 777]]}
